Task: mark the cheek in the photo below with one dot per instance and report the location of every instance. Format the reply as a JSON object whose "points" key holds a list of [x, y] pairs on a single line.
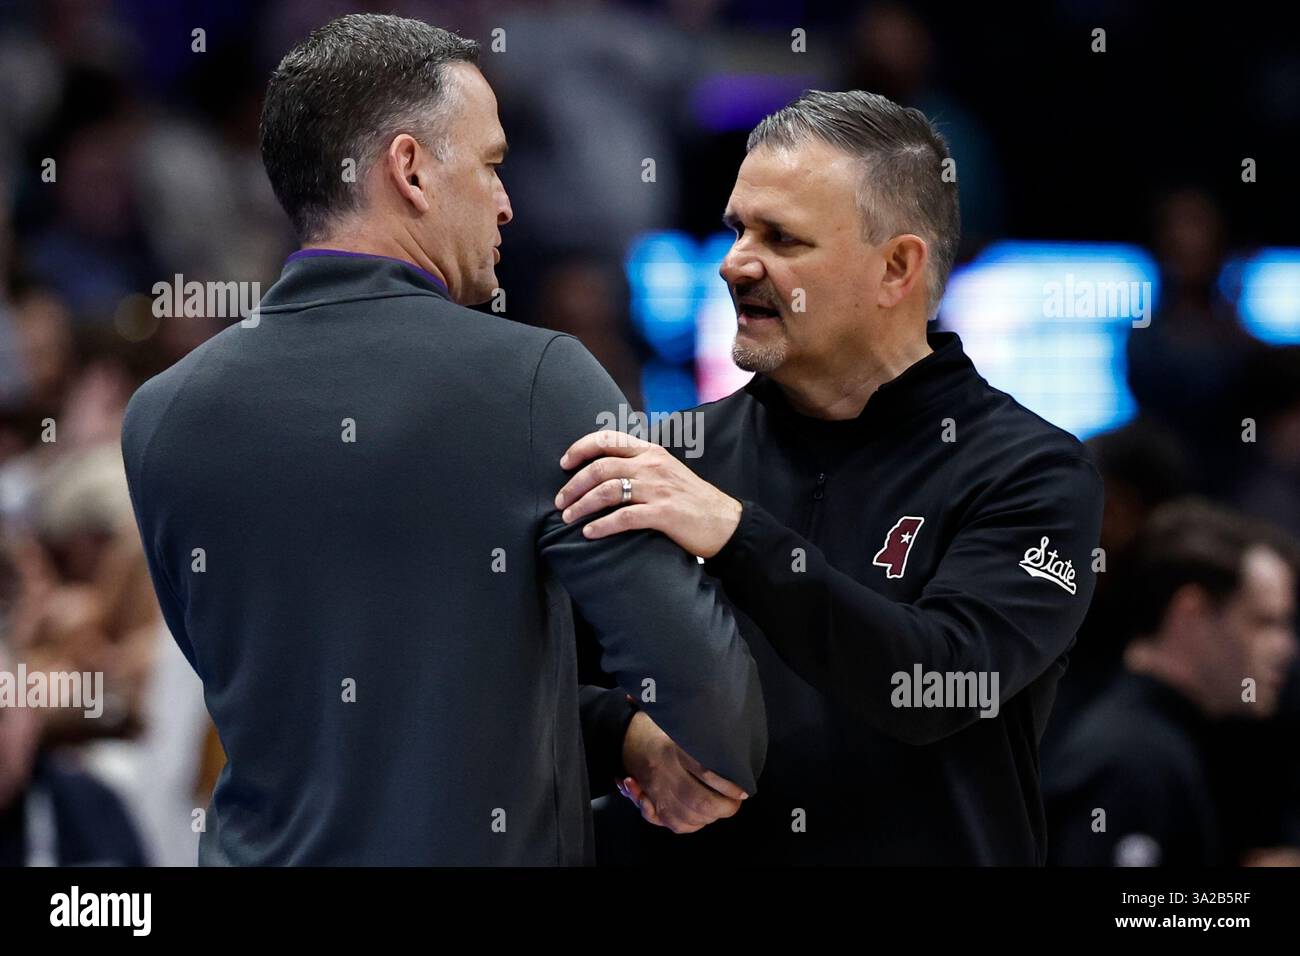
{"points": [[1246, 652], [831, 306], [460, 192], [801, 288]]}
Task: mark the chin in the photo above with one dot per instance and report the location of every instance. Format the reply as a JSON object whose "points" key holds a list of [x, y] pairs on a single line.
{"points": [[752, 356]]}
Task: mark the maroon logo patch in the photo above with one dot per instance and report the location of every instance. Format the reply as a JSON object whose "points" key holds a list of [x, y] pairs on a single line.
{"points": [[898, 545]]}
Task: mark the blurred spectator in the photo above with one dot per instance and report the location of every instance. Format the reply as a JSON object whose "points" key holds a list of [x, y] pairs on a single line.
{"points": [[71, 413], [1269, 486], [1142, 467], [83, 601], [586, 297], [1138, 780], [50, 813], [91, 246], [85, 593], [1186, 368], [587, 92], [43, 348], [892, 52], [202, 180]]}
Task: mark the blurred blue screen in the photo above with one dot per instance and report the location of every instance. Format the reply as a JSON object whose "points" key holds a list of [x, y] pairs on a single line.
{"points": [[1266, 288], [1022, 311]]}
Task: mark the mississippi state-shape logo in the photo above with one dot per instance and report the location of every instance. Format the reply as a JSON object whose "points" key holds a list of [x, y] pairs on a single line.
{"points": [[898, 545]]}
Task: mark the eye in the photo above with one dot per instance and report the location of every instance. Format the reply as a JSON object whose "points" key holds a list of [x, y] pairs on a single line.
{"points": [[784, 239]]}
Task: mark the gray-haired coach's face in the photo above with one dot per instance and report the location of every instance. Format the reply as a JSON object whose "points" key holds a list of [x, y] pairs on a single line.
{"points": [[805, 281]]}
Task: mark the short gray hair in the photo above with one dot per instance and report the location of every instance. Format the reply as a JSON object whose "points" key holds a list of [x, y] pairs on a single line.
{"points": [[344, 93], [903, 154]]}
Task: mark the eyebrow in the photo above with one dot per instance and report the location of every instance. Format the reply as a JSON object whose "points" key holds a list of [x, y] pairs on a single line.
{"points": [[731, 220]]}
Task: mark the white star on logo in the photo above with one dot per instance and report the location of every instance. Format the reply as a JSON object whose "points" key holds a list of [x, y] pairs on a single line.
{"points": [[906, 538]]}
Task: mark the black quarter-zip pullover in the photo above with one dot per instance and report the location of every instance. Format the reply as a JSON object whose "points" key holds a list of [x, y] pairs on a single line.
{"points": [[945, 531]]}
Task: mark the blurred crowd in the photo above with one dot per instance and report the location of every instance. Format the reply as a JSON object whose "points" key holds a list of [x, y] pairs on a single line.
{"points": [[128, 156], [1201, 486]]}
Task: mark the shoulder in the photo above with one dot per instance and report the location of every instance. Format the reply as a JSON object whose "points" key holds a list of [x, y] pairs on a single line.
{"points": [[732, 404], [150, 402], [1120, 740], [1007, 450], [458, 328], [729, 408], [497, 328], [1004, 425]]}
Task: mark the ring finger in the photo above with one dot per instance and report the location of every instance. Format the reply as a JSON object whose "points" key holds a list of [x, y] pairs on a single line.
{"points": [[607, 494]]}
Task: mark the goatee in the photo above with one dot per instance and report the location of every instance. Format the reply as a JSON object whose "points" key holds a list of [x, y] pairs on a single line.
{"points": [[758, 358]]}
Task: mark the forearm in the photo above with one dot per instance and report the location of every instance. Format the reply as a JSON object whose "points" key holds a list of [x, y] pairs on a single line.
{"points": [[668, 641], [664, 634], [839, 635]]}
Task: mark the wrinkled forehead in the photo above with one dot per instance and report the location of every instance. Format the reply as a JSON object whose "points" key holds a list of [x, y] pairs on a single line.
{"points": [[812, 178]]}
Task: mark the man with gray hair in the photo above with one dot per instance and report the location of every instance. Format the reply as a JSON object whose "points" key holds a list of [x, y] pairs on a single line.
{"points": [[909, 550], [391, 670]]}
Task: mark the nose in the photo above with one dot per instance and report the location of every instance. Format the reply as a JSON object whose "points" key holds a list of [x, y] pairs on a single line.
{"points": [[740, 265], [504, 212]]}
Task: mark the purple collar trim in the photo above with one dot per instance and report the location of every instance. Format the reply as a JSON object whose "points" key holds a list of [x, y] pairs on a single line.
{"points": [[318, 253]]}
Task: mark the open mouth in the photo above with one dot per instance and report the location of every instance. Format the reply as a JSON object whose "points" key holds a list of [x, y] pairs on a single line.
{"points": [[752, 311]]}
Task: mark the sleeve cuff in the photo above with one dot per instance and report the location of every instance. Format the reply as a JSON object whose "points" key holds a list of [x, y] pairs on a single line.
{"points": [[605, 716], [739, 546]]}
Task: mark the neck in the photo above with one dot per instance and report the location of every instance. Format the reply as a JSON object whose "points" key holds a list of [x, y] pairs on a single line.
{"points": [[364, 240], [1151, 660], [842, 392]]}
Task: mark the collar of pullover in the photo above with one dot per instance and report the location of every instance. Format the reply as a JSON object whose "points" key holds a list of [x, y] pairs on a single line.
{"points": [[922, 389], [323, 275]]}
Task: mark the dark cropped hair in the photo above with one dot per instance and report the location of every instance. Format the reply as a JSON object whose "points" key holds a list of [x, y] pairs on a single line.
{"points": [[344, 93], [903, 188], [1190, 541]]}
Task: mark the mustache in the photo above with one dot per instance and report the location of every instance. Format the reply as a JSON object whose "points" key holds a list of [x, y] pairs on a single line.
{"points": [[760, 295]]}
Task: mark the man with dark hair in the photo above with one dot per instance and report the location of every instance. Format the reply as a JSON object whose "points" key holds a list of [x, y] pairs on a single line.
{"points": [[392, 671], [910, 551], [390, 100], [1211, 601]]}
